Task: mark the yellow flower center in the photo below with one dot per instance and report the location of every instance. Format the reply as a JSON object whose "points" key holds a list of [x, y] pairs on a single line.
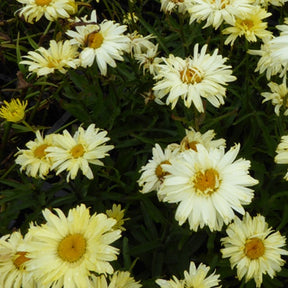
{"points": [[39, 152], [20, 259], [254, 248], [177, 1], [186, 144], [247, 24], [206, 182], [77, 151], [72, 248], [191, 75], [94, 40], [42, 2], [160, 173]]}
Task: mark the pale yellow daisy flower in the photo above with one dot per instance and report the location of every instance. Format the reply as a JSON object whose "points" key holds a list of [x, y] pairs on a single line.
{"points": [[118, 214], [253, 248], [267, 62], [266, 3], [169, 6], [282, 153], [140, 44], [215, 12], [193, 138], [65, 250], [278, 97], [251, 26], [209, 186], [13, 262], [195, 277], [34, 160], [149, 60], [13, 111], [50, 9], [119, 279], [76, 153], [60, 56], [153, 173], [104, 42], [193, 78]]}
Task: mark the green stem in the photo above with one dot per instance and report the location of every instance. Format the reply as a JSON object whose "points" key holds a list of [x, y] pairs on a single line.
{"points": [[28, 126]]}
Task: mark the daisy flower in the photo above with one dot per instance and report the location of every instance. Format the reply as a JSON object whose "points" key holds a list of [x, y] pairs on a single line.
{"points": [[152, 174], [119, 279], [50, 9], [195, 277], [253, 248], [282, 153], [118, 214], [14, 111], [193, 138], [266, 62], [34, 160], [266, 3], [104, 42], [77, 152], [202, 75], [278, 97], [140, 44], [13, 262], [149, 60], [250, 25], [168, 6], [208, 185], [215, 12], [59, 56], [65, 250]]}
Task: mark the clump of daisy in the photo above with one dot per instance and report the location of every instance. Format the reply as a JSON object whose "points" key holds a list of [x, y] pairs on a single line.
{"points": [[60, 56], [152, 174], [215, 12], [50, 9], [193, 138], [118, 214], [119, 279], [13, 261], [282, 153], [253, 248], [278, 97], [195, 277], [13, 111], [74, 153], [209, 186], [34, 160], [104, 42], [66, 250], [251, 26], [202, 76]]}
